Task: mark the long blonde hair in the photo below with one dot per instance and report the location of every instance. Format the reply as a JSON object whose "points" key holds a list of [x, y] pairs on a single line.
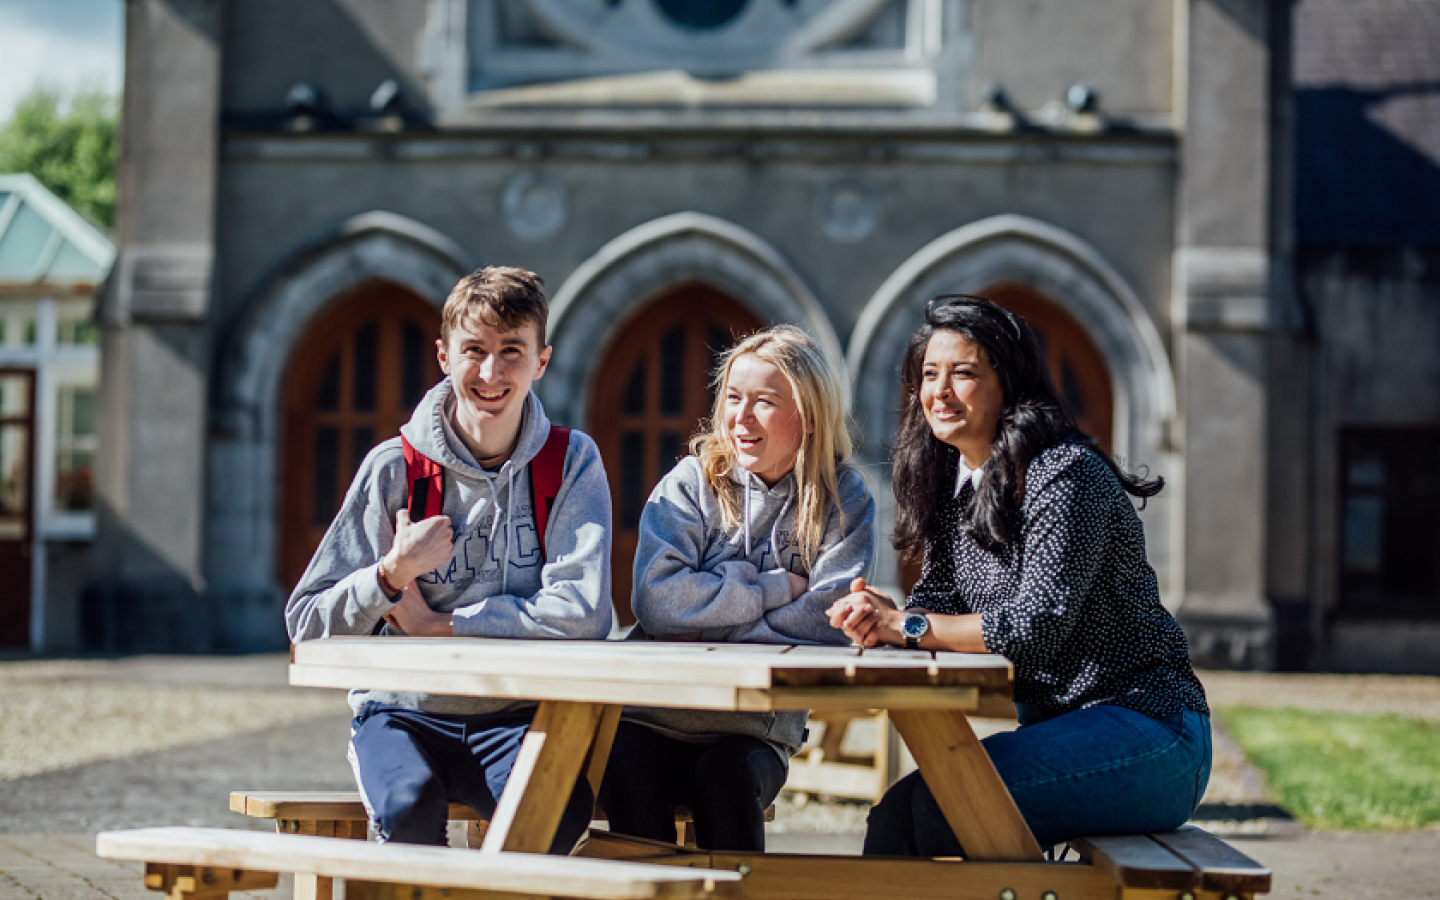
{"points": [[822, 395]]}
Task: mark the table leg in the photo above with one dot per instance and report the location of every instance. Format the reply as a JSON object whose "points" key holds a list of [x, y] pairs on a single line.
{"points": [[969, 791], [550, 759], [600, 750]]}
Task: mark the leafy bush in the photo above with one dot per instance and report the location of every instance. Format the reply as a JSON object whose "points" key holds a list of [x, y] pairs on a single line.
{"points": [[70, 147]]}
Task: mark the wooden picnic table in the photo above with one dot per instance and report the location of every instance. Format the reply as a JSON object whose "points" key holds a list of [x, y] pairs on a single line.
{"points": [[582, 686]]}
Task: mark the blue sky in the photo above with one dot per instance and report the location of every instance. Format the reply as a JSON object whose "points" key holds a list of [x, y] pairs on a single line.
{"points": [[69, 44]]}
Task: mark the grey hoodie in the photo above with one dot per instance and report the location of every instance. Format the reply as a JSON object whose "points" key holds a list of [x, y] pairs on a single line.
{"points": [[693, 577], [525, 596]]}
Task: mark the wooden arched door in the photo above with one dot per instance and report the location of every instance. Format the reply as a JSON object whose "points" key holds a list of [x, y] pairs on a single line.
{"points": [[651, 393], [353, 381], [1077, 369]]}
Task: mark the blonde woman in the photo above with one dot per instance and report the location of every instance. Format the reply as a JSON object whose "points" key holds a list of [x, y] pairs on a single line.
{"points": [[749, 539]]}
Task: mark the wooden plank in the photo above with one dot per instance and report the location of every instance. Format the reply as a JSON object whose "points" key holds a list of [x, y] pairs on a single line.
{"points": [[601, 844], [835, 780], [371, 890], [542, 778], [600, 749], [469, 684], [966, 786], [810, 877], [1221, 866], [313, 805], [643, 661], [619, 661], [188, 882], [995, 705], [440, 867], [313, 887], [1135, 861], [858, 698]]}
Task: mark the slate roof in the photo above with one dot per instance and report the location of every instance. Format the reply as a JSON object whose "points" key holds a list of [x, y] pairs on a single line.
{"points": [[1367, 121], [44, 241]]}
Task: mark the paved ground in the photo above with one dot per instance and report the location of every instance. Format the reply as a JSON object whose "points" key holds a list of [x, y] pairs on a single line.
{"points": [[48, 818]]}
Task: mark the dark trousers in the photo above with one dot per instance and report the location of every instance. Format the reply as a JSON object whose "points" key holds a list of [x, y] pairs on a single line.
{"points": [[726, 785], [411, 765]]}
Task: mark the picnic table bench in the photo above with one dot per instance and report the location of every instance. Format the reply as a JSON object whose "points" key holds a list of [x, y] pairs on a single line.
{"points": [[196, 863], [342, 814]]}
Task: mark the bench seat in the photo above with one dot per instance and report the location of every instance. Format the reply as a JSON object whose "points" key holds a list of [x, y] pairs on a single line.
{"points": [[341, 814], [1187, 859], [219, 859]]}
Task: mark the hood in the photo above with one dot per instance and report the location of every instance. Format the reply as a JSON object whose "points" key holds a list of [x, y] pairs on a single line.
{"points": [[428, 426]]}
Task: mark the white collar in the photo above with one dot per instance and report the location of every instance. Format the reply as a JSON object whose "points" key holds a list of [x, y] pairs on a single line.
{"points": [[963, 472]]}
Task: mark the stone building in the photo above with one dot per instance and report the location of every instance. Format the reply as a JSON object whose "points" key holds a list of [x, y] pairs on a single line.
{"points": [[302, 182]]}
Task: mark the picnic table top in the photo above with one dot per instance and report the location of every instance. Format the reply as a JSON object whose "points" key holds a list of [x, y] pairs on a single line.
{"points": [[655, 673]]}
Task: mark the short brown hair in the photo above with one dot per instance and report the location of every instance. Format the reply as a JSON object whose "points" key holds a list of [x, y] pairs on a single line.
{"points": [[502, 297]]}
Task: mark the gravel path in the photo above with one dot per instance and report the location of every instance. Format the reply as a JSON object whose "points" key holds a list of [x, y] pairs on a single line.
{"points": [[57, 715]]}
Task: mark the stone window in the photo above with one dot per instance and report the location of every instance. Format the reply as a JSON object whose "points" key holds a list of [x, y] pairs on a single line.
{"points": [[1390, 523], [491, 53]]}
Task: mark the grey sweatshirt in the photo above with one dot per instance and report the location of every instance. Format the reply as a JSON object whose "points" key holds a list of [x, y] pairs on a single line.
{"points": [[692, 576], [496, 583]]}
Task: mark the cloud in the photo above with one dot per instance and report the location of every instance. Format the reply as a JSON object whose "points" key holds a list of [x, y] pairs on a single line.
{"points": [[68, 44]]}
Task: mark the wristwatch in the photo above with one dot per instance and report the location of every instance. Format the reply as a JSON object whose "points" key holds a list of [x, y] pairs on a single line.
{"points": [[914, 627]]}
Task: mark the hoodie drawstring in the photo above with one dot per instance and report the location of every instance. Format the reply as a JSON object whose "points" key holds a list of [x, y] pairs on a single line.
{"points": [[509, 526], [509, 533], [747, 515], [774, 526]]}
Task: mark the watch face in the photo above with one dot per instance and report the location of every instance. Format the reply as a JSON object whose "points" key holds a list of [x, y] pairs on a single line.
{"points": [[915, 626]]}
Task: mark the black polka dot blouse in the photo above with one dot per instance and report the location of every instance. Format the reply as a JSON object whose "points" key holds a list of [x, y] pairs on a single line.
{"points": [[1072, 602]]}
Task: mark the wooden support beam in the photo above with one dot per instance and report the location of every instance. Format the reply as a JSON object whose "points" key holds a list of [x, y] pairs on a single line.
{"points": [[974, 800], [545, 771], [600, 749], [190, 882]]}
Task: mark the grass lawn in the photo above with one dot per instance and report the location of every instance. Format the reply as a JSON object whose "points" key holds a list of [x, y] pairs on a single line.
{"points": [[1341, 771]]}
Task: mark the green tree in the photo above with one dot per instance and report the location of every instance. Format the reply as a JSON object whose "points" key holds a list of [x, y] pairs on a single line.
{"points": [[69, 148]]}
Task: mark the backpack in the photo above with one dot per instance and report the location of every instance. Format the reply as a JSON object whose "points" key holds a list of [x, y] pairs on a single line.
{"points": [[426, 478]]}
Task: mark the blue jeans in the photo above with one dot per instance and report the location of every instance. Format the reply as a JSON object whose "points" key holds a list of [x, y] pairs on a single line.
{"points": [[1101, 770], [411, 765]]}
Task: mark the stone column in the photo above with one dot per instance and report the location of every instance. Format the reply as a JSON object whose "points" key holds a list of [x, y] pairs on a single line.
{"points": [[1223, 300], [149, 588]]}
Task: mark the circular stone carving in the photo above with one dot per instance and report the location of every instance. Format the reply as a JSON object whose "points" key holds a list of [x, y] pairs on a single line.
{"points": [[701, 15], [534, 205], [847, 209]]}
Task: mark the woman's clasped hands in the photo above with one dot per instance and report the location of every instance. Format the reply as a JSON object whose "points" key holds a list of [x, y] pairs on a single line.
{"points": [[867, 617]]}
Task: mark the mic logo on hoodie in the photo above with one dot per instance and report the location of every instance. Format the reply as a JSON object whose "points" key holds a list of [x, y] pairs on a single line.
{"points": [[480, 556]]}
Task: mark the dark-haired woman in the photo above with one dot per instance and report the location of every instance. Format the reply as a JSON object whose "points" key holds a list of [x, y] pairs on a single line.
{"points": [[1032, 550]]}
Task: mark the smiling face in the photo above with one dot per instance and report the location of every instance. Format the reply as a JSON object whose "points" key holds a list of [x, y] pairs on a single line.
{"points": [[762, 418], [491, 371], [961, 395]]}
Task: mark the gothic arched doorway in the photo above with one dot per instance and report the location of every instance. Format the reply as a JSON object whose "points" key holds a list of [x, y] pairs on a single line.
{"points": [[651, 391], [1077, 369], [352, 382]]}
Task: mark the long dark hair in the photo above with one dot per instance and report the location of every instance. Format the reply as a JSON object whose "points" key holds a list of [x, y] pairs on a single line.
{"points": [[1032, 419]]}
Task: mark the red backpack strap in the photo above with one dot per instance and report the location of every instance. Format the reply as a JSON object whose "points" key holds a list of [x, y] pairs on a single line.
{"points": [[426, 479], [547, 473]]}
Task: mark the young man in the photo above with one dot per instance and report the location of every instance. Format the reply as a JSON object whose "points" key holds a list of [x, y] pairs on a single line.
{"points": [[480, 568]]}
